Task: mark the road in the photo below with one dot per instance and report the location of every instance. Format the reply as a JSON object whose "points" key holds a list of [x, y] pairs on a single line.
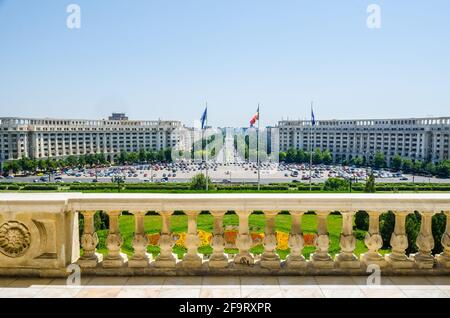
{"points": [[236, 177]]}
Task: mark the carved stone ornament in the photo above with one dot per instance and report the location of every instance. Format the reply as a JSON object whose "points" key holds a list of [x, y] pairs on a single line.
{"points": [[15, 239]]}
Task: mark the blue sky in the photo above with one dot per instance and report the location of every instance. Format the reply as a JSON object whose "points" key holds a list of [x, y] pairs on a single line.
{"points": [[163, 58]]}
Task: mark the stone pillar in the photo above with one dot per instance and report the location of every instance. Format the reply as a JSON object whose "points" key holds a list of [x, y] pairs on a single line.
{"points": [[218, 258], [114, 242], [373, 241], [346, 258], [270, 258], [296, 242], [244, 240], [399, 242], [320, 258], [140, 241], [191, 258], [443, 259], [89, 241], [425, 242], [165, 258]]}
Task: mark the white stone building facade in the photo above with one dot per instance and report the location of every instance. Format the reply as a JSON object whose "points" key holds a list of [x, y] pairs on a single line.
{"points": [[59, 138], [415, 138]]}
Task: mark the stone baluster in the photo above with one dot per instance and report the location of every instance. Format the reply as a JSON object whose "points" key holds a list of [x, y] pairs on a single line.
{"points": [[140, 241], [270, 259], [244, 240], [399, 243], [296, 242], [89, 241], [218, 258], [165, 258], [425, 242], [443, 259], [346, 258], [373, 241], [191, 258], [114, 242], [320, 258]]}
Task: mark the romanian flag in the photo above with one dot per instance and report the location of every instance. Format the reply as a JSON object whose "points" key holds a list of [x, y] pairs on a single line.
{"points": [[254, 118]]}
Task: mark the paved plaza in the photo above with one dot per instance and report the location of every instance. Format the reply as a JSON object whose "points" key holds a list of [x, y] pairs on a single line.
{"points": [[228, 287]]}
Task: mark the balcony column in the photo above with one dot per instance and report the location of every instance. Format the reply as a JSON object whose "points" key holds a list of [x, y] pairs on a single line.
{"points": [[346, 258], [296, 242], [399, 242], [89, 241], [244, 240], [320, 258], [218, 258], [114, 242], [191, 258], [270, 258], [443, 259], [425, 242], [140, 241], [373, 241], [165, 258]]}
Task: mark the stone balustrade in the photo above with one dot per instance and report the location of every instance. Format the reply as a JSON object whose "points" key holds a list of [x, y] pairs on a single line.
{"points": [[39, 234]]}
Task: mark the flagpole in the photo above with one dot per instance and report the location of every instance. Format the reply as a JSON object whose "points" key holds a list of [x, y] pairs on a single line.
{"points": [[310, 151], [206, 149], [257, 148]]}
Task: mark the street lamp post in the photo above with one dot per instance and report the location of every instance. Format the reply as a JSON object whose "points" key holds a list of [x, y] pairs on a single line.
{"points": [[151, 171], [413, 167]]}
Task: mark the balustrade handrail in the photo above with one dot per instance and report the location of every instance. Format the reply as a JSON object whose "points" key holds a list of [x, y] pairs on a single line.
{"points": [[342, 202], [39, 233]]}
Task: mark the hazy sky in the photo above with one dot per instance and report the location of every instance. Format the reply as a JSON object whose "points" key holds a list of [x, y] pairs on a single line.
{"points": [[163, 58]]}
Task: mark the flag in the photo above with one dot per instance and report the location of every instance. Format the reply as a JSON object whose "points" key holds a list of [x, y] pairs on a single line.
{"points": [[254, 118], [203, 118], [313, 119]]}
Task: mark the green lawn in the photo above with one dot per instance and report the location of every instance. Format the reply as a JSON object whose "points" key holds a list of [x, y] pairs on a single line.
{"points": [[256, 224]]}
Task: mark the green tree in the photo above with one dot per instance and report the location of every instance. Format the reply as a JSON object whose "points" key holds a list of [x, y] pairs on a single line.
{"points": [[142, 155], [417, 166], [438, 224], [198, 182], [72, 161], [407, 165], [357, 161], [327, 158], [282, 156], [81, 161], [379, 161], [11, 166], [90, 159], [123, 156], [370, 184], [336, 184], [168, 155], [150, 156], [42, 165], [396, 163], [429, 167], [317, 156], [160, 155], [291, 155], [362, 220], [132, 157], [443, 169]]}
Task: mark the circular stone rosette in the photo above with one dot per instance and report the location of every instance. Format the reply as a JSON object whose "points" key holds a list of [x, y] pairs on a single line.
{"points": [[15, 239]]}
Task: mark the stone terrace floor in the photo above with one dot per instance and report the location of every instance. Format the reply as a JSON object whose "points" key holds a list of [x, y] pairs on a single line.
{"points": [[224, 287]]}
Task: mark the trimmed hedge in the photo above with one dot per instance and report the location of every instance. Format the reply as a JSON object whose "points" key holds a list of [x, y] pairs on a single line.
{"points": [[13, 187], [40, 187]]}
